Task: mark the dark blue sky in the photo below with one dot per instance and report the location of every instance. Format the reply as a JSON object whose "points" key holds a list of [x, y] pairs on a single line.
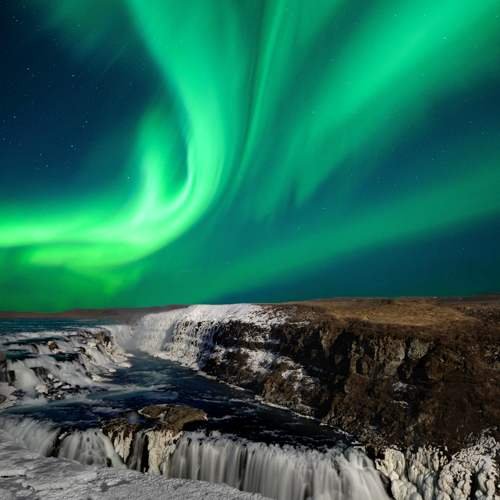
{"points": [[210, 152]]}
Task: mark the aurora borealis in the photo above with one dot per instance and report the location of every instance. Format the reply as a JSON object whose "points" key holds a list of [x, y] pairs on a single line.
{"points": [[168, 151]]}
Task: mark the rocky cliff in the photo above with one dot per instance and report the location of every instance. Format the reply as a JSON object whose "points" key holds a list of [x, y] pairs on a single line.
{"points": [[421, 376], [400, 372], [417, 381]]}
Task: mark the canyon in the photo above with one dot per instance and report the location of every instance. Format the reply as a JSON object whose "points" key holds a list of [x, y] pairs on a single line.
{"points": [[416, 382]]}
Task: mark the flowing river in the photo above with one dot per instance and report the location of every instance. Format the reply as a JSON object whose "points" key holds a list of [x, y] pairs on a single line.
{"points": [[59, 408]]}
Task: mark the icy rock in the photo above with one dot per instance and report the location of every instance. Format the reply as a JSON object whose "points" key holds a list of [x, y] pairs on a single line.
{"points": [[52, 345], [429, 473], [149, 449], [173, 416], [41, 389]]}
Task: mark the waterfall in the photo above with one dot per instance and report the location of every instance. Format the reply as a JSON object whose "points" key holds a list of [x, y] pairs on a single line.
{"points": [[51, 364], [89, 447], [186, 335], [32, 375], [280, 472], [32, 434]]}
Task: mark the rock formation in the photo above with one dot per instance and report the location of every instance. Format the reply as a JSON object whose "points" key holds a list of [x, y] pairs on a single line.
{"points": [[148, 449], [417, 381], [417, 375]]}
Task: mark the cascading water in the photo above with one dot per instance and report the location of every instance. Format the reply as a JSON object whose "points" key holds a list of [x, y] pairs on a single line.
{"points": [[279, 471], [284, 473], [51, 364], [185, 335], [33, 434], [89, 447]]}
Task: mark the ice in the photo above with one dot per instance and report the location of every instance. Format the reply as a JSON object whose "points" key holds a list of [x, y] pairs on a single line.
{"points": [[428, 473], [279, 472], [89, 447], [33, 434]]}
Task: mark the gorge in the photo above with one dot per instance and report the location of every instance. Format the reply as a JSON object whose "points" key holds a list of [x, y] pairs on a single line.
{"points": [[401, 396]]}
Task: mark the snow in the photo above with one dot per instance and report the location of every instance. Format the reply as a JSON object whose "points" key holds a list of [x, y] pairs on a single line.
{"points": [[25, 474], [283, 472], [153, 331], [186, 334], [253, 314], [259, 360]]}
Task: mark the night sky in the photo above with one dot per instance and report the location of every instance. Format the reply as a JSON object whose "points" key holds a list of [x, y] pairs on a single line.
{"points": [[180, 151]]}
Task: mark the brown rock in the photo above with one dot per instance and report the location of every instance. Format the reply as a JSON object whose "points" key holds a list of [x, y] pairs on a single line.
{"points": [[52, 345], [174, 417], [393, 372]]}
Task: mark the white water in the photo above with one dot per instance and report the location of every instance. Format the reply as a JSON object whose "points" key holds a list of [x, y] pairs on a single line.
{"points": [[283, 473], [28, 476], [32, 434], [70, 373], [39, 372], [89, 447], [279, 472], [185, 335]]}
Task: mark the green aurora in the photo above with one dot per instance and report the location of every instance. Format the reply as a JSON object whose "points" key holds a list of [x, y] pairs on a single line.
{"points": [[278, 140]]}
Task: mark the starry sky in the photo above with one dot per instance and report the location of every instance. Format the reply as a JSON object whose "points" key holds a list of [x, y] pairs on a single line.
{"points": [[183, 151]]}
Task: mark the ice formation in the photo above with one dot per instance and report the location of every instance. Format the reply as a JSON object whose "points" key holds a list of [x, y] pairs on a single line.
{"points": [[186, 334], [47, 364], [429, 474], [89, 447]]}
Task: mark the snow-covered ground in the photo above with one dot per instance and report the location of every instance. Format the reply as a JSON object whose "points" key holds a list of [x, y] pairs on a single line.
{"points": [[25, 474], [51, 365]]}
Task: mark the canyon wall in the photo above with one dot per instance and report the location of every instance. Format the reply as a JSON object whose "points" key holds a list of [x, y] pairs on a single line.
{"points": [[419, 376]]}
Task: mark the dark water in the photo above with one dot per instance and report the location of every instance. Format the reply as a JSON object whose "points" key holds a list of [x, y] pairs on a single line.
{"points": [[19, 325], [151, 381]]}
